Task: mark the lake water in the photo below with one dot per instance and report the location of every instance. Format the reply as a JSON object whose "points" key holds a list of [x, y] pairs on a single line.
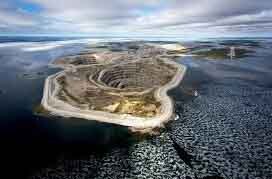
{"points": [[233, 108], [30, 141]]}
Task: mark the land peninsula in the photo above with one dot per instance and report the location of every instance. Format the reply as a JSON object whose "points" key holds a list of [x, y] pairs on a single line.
{"points": [[124, 83]]}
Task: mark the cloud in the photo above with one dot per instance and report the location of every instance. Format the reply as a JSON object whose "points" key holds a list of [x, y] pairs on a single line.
{"points": [[208, 11], [11, 16], [137, 17]]}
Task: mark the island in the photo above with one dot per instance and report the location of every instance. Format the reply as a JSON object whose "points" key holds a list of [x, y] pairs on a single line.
{"points": [[222, 53], [121, 83]]}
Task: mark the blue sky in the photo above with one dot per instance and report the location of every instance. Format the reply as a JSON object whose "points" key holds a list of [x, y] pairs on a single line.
{"points": [[183, 18], [29, 7]]}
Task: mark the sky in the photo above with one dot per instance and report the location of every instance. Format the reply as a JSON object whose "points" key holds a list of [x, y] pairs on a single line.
{"points": [[183, 18]]}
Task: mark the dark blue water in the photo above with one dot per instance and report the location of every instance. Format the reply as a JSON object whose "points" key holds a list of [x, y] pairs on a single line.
{"points": [[28, 141], [227, 129]]}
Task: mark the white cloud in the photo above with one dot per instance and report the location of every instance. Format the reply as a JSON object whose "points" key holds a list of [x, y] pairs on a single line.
{"points": [[16, 18], [141, 17]]}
